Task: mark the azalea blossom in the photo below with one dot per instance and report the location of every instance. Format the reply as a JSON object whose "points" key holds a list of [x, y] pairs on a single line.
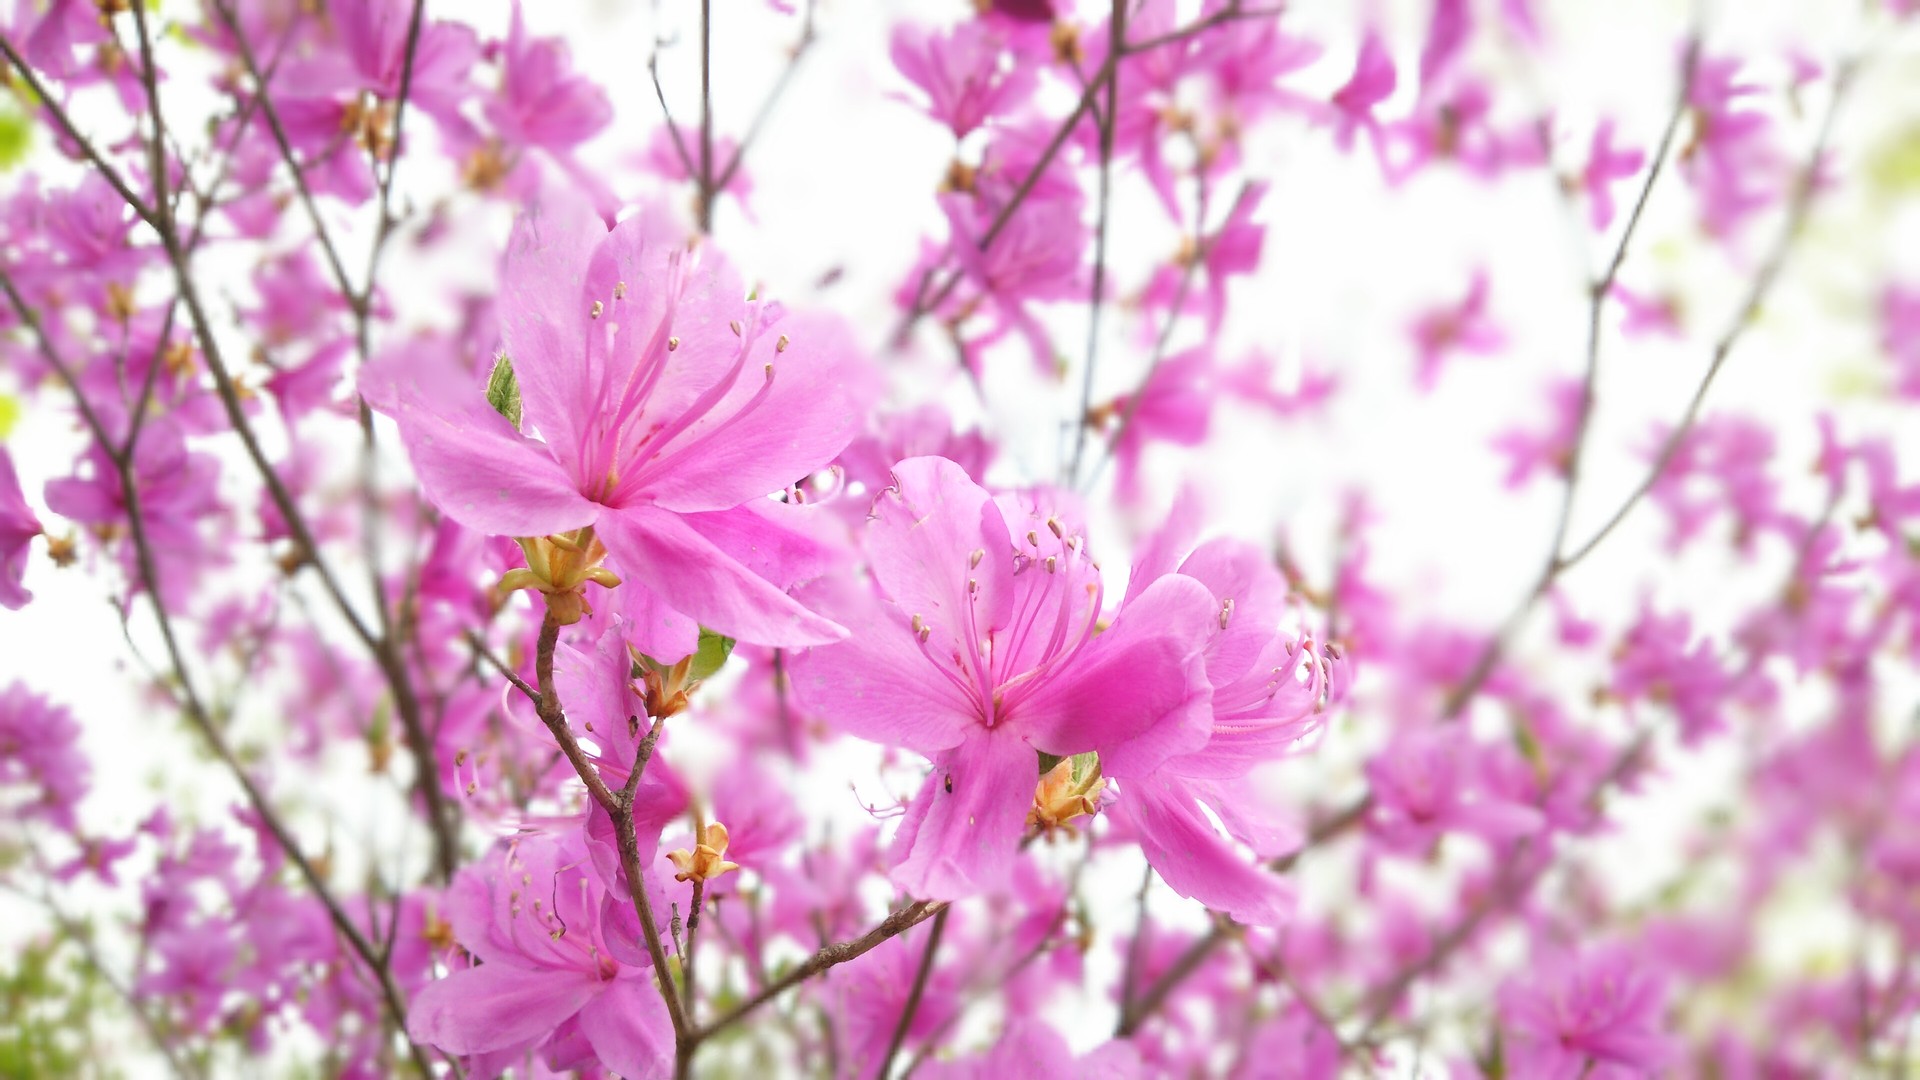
{"points": [[1269, 692], [557, 972], [981, 652], [652, 382], [18, 527]]}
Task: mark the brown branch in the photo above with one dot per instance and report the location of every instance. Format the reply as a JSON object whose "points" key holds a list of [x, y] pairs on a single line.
{"points": [[46, 99], [918, 990], [1096, 300], [1598, 291], [480, 649], [1183, 967], [706, 116], [1798, 207], [619, 806], [767, 103], [196, 710], [894, 924]]}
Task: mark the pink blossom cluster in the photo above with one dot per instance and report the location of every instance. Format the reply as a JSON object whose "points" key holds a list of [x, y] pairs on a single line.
{"points": [[547, 646]]}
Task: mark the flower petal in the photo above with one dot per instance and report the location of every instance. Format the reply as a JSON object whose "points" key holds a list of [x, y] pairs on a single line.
{"points": [[961, 833], [881, 684], [494, 1006], [1138, 693], [1193, 858], [629, 1030], [693, 575], [544, 314], [816, 391], [921, 542], [473, 465]]}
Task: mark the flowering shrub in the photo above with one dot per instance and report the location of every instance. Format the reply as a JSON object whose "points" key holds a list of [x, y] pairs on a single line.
{"points": [[1113, 609]]}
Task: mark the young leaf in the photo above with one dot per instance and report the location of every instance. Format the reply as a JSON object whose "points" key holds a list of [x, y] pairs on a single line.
{"points": [[712, 653], [503, 391]]}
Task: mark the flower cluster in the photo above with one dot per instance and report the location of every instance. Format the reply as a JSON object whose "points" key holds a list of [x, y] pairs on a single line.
{"points": [[485, 600]]}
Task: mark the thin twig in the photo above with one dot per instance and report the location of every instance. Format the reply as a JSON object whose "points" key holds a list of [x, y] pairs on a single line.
{"points": [[894, 924], [1096, 301], [1797, 210], [196, 710], [1598, 292], [706, 116], [618, 806], [918, 990], [767, 103], [1184, 966]]}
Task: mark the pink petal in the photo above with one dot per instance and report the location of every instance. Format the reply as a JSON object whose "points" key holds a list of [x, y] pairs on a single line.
{"points": [[652, 624], [494, 1007], [1193, 859], [961, 833], [473, 465], [1160, 553], [1138, 693], [921, 544], [881, 684], [786, 544], [544, 312], [814, 405], [1238, 571], [695, 576], [629, 1030]]}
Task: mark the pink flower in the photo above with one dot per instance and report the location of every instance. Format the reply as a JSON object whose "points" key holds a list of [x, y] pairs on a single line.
{"points": [[1658, 314], [40, 753], [1037, 254], [981, 651], [1292, 1046], [18, 527], [1252, 381], [1426, 783], [1269, 692], [925, 430], [1721, 464], [1464, 327], [373, 34], [1593, 1015], [542, 102], [1732, 159], [1605, 165], [1660, 661], [1175, 406], [1900, 336], [1447, 33], [668, 407], [1372, 83], [1232, 250], [962, 73], [178, 494], [198, 963], [543, 107], [552, 971], [1548, 448]]}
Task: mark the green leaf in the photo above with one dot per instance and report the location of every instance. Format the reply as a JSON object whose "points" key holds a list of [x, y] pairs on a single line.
{"points": [[16, 138], [9, 414], [1085, 764], [712, 653], [1048, 761], [503, 391]]}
